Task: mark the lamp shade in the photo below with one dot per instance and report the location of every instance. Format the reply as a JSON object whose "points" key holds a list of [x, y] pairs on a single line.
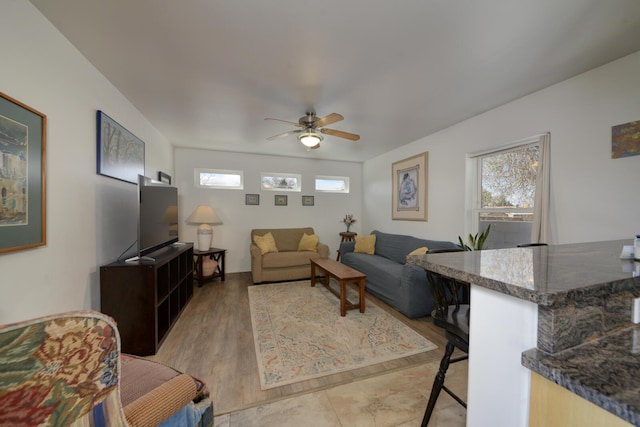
{"points": [[204, 214]]}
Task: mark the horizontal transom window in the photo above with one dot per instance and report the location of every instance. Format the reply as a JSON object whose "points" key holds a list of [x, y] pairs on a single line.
{"points": [[332, 184], [219, 178], [271, 181]]}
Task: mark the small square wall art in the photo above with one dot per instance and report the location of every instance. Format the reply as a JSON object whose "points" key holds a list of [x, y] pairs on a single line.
{"points": [[625, 140]]}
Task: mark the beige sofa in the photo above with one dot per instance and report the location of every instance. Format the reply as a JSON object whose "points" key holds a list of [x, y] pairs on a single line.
{"points": [[288, 263]]}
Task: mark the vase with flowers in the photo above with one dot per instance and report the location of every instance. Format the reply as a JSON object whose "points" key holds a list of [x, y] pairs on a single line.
{"points": [[348, 220]]}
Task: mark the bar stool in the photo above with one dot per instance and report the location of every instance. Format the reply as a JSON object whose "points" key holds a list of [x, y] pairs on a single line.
{"points": [[452, 316]]}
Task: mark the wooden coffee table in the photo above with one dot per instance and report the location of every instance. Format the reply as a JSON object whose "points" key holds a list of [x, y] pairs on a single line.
{"points": [[343, 275]]}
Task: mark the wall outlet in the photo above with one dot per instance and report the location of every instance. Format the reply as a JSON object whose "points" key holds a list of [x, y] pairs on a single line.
{"points": [[635, 317]]}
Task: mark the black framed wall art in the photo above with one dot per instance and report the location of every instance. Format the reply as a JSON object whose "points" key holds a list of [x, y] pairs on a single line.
{"points": [[120, 153]]}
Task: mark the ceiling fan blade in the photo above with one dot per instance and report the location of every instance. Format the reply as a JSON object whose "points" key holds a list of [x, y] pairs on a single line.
{"points": [[327, 120], [341, 134], [282, 135], [286, 121]]}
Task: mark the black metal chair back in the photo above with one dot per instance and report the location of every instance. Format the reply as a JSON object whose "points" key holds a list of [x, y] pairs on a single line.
{"points": [[449, 312]]}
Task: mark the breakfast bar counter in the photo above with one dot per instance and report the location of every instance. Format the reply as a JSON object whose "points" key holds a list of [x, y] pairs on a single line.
{"points": [[562, 311]]}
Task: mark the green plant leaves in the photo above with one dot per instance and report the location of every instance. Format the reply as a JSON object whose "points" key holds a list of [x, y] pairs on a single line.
{"points": [[476, 243]]}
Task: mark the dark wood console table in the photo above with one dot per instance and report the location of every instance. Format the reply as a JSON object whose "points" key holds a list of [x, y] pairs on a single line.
{"points": [[147, 297], [215, 254]]}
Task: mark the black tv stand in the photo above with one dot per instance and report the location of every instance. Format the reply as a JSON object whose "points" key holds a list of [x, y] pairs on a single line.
{"points": [[146, 298]]}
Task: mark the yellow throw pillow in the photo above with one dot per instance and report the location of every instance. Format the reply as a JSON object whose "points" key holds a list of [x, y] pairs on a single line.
{"points": [[365, 244], [265, 243], [420, 251], [308, 243]]}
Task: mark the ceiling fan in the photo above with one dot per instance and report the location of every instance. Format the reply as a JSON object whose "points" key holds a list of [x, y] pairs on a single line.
{"points": [[311, 128]]}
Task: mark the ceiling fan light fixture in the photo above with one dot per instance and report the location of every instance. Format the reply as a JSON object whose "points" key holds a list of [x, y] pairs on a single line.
{"points": [[310, 139]]}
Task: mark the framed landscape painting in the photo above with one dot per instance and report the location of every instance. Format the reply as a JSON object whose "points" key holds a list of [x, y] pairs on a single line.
{"points": [[409, 192], [120, 153], [22, 176]]}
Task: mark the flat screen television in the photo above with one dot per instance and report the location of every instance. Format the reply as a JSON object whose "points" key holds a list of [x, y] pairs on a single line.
{"points": [[157, 217]]}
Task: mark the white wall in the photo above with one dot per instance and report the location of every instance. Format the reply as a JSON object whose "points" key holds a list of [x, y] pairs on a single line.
{"points": [[89, 217], [91, 220], [238, 219], [593, 196]]}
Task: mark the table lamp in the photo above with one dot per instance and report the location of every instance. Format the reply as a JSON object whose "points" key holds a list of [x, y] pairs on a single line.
{"points": [[205, 216]]}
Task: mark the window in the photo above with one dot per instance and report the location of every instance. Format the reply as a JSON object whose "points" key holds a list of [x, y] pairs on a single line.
{"points": [[218, 178], [281, 181], [332, 184], [505, 194]]}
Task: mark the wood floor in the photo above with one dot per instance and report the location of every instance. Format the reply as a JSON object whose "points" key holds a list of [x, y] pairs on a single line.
{"points": [[213, 341]]}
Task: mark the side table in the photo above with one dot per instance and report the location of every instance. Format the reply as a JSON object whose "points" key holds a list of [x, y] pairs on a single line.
{"points": [[346, 236], [217, 255]]}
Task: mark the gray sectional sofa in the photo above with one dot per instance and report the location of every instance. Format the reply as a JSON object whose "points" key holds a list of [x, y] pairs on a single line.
{"points": [[402, 286]]}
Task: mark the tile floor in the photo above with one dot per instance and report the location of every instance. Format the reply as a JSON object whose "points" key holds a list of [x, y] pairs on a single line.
{"points": [[395, 399]]}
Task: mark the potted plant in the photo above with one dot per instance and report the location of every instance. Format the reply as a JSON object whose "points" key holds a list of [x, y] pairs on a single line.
{"points": [[476, 242]]}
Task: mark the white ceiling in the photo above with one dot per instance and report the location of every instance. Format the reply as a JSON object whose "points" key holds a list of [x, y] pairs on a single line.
{"points": [[207, 73]]}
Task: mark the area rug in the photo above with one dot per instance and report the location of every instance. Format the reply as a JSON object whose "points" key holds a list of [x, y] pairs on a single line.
{"points": [[299, 334]]}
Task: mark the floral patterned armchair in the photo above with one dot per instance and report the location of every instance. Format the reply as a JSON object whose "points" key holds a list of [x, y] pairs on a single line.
{"points": [[67, 369]]}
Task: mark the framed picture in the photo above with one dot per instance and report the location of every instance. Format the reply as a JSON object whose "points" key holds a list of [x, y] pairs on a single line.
{"points": [[165, 178], [307, 200], [251, 199], [281, 200], [625, 140], [120, 153], [409, 195], [22, 176]]}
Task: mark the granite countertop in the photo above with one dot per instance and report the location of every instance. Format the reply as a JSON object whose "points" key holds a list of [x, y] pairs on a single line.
{"points": [[604, 371], [545, 275], [586, 285]]}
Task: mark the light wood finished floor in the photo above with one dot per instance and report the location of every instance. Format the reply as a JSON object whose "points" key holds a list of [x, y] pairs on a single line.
{"points": [[213, 341]]}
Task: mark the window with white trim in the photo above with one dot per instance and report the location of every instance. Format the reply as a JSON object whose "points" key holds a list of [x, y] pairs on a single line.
{"points": [[505, 188], [219, 178], [332, 184], [271, 181]]}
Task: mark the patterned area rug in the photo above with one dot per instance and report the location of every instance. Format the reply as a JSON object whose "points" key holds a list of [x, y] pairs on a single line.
{"points": [[299, 334]]}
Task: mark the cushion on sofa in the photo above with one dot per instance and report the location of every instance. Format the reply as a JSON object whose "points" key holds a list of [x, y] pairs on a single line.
{"points": [[365, 244], [384, 281], [420, 251], [287, 259], [287, 239], [308, 242], [266, 243]]}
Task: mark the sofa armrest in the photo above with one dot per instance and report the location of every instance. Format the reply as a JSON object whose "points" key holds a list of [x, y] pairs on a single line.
{"points": [[323, 250], [346, 247], [416, 294], [256, 263]]}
